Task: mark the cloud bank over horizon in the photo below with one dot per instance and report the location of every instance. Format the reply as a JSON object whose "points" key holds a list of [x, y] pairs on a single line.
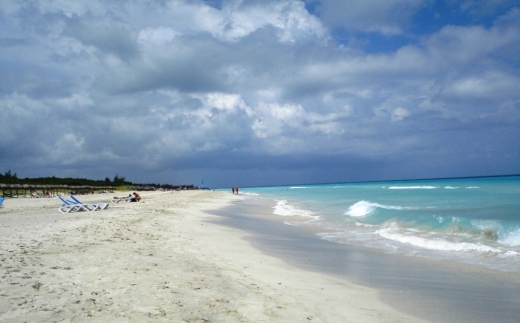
{"points": [[246, 92]]}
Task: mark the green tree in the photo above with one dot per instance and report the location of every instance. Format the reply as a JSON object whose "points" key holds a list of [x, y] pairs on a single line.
{"points": [[119, 180], [8, 175]]}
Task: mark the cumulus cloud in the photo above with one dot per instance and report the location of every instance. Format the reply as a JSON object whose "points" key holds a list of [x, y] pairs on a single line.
{"points": [[399, 114], [186, 89]]}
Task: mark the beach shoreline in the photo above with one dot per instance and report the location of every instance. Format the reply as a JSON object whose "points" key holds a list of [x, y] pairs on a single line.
{"points": [[434, 290], [163, 259]]}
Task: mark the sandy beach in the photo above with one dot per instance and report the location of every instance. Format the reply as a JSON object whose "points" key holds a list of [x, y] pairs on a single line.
{"points": [[163, 259]]}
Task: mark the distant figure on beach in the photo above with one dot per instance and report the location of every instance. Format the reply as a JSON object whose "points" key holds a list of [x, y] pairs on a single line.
{"points": [[234, 189], [136, 197]]}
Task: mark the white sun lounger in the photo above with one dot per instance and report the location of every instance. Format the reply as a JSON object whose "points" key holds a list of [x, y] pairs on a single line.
{"points": [[70, 206], [97, 205], [74, 205], [123, 199]]}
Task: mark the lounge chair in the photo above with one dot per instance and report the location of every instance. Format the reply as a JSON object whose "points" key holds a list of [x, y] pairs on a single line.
{"points": [[122, 199], [74, 205], [1, 202], [97, 205], [71, 206]]}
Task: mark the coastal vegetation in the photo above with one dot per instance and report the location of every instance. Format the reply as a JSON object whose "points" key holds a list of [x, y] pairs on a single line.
{"points": [[117, 181], [10, 178]]}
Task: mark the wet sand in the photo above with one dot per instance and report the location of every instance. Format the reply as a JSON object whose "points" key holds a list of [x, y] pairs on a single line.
{"points": [[164, 259], [436, 291]]}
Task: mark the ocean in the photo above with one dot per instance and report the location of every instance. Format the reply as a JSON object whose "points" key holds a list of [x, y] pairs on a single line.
{"points": [[470, 220]]}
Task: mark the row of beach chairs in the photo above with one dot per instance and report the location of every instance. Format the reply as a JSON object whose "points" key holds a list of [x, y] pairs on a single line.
{"points": [[74, 205]]}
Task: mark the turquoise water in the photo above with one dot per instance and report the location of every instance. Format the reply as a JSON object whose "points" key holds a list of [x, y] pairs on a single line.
{"points": [[471, 220]]}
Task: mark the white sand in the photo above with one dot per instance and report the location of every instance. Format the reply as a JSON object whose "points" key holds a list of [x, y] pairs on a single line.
{"points": [[158, 261]]}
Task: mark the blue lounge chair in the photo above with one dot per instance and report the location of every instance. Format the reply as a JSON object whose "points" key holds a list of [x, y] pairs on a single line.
{"points": [[71, 206], [1, 202]]}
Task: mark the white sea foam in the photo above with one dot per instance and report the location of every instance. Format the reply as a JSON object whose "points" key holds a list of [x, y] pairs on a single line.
{"points": [[412, 187], [298, 187], [284, 209], [439, 218], [511, 239], [252, 194], [451, 187], [484, 225], [363, 208], [433, 243]]}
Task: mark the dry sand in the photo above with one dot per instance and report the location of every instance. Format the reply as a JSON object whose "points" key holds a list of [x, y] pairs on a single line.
{"points": [[159, 261]]}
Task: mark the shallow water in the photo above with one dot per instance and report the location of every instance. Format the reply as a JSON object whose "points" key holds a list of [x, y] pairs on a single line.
{"points": [[473, 220], [434, 290]]}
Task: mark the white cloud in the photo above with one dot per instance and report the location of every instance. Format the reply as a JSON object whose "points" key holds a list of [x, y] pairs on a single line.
{"points": [[180, 80], [68, 149], [223, 101], [289, 18], [75, 101], [272, 120], [398, 114], [157, 36], [461, 45], [488, 85]]}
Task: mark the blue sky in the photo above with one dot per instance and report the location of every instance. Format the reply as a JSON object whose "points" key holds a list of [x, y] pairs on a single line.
{"points": [[259, 92]]}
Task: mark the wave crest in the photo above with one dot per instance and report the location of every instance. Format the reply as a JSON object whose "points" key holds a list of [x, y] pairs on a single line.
{"points": [[363, 208], [391, 232], [511, 238], [284, 209], [412, 187]]}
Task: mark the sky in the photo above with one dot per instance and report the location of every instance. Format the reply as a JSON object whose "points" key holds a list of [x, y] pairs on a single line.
{"points": [[259, 92]]}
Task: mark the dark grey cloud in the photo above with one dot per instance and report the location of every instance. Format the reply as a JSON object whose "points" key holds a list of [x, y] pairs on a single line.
{"points": [[106, 34]]}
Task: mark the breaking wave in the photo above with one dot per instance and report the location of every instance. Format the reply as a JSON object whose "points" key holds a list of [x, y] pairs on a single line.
{"points": [[412, 187], [363, 208], [433, 243], [284, 209]]}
